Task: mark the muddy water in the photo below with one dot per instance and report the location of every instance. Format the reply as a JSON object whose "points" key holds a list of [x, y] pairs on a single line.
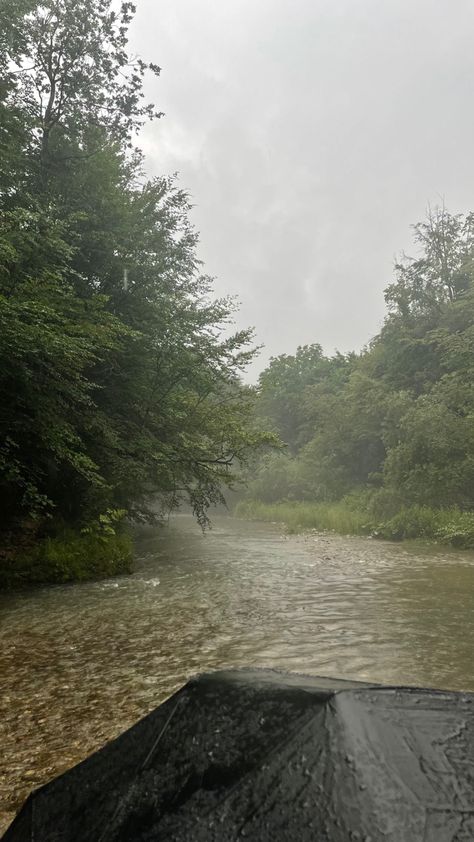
{"points": [[78, 664]]}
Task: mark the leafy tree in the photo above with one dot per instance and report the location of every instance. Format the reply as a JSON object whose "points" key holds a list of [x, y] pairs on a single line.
{"points": [[49, 339], [72, 71], [433, 461], [284, 388], [397, 419], [442, 274], [117, 385]]}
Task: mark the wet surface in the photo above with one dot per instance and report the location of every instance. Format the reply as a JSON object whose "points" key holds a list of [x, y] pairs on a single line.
{"points": [[79, 664]]}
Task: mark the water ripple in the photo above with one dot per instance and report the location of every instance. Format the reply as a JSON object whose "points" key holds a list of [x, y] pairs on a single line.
{"points": [[80, 663]]}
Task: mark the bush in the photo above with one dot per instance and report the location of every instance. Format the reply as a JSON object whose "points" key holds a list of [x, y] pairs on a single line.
{"points": [[68, 557], [458, 530], [409, 522]]}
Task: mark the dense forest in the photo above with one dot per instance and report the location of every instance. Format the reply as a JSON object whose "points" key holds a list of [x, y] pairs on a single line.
{"points": [[389, 431], [120, 390]]}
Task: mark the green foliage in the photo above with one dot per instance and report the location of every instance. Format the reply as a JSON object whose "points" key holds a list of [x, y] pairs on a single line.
{"points": [[68, 557], [442, 274], [277, 477], [433, 460], [411, 522], [106, 524], [71, 69], [350, 516], [299, 517], [49, 340], [457, 530], [394, 425], [448, 526], [120, 380], [288, 386]]}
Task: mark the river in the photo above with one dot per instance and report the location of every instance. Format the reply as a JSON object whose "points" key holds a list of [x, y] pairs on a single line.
{"points": [[80, 663]]}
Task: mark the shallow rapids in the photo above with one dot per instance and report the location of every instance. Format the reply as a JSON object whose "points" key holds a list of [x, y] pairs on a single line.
{"points": [[80, 663]]}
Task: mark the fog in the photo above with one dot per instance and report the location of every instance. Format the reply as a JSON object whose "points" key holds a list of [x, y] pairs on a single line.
{"points": [[310, 135]]}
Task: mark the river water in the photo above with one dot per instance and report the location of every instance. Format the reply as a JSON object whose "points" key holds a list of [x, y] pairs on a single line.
{"points": [[80, 663]]}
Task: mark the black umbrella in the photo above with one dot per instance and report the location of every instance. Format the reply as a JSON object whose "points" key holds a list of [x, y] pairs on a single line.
{"points": [[259, 755]]}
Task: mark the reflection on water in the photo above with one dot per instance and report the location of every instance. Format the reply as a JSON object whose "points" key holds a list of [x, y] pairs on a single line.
{"points": [[80, 663]]}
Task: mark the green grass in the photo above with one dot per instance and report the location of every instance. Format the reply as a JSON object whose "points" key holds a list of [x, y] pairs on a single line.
{"points": [[448, 526], [68, 557], [298, 517]]}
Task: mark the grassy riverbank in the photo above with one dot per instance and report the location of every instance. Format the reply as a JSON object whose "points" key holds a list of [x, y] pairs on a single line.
{"points": [[448, 526], [67, 557]]}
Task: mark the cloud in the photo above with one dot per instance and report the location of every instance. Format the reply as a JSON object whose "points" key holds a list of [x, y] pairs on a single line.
{"points": [[311, 134]]}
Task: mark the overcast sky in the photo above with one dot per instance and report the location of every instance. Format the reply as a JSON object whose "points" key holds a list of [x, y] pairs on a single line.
{"points": [[311, 134]]}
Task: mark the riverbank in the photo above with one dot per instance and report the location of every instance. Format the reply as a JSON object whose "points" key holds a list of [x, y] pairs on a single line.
{"points": [[445, 526], [68, 557]]}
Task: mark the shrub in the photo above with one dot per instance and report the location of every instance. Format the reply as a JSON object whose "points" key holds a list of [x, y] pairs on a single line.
{"points": [[458, 530], [69, 557]]}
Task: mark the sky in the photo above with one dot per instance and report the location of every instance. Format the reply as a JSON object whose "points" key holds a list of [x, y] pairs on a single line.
{"points": [[310, 134]]}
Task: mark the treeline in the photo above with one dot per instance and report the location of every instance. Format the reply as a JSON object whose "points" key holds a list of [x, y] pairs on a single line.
{"points": [[390, 430], [118, 393]]}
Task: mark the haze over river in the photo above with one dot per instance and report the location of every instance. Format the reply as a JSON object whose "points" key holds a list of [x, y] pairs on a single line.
{"points": [[80, 663]]}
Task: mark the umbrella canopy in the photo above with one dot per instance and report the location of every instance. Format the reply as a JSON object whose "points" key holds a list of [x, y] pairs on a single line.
{"points": [[259, 755]]}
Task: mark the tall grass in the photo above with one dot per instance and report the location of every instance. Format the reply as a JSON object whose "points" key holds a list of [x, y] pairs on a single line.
{"points": [[447, 526], [298, 517]]}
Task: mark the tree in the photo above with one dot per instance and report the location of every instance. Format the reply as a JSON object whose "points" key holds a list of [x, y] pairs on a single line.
{"points": [[283, 387], [433, 461], [49, 340], [117, 386], [444, 271], [396, 420], [72, 71]]}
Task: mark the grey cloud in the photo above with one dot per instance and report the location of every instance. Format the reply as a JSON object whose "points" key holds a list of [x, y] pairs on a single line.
{"points": [[311, 134]]}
